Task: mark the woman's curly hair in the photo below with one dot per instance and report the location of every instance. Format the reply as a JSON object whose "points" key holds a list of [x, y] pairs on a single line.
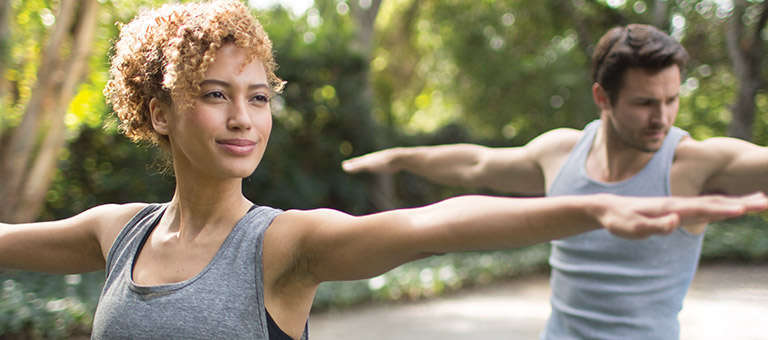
{"points": [[165, 52]]}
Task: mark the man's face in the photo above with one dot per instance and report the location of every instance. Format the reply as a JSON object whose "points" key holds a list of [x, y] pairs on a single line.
{"points": [[645, 108]]}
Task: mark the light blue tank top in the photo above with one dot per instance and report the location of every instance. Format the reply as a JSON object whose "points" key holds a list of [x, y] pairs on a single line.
{"points": [[606, 287], [224, 301]]}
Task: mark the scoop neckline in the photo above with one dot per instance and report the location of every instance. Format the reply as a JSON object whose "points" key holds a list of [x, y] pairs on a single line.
{"points": [[172, 286]]}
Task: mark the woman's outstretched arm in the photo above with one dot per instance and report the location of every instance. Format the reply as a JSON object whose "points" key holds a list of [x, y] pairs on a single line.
{"points": [[73, 245], [330, 245]]}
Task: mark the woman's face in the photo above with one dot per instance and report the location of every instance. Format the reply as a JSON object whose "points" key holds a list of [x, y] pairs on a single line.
{"points": [[225, 133]]}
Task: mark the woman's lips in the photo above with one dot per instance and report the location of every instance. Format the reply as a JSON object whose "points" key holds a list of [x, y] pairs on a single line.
{"points": [[238, 147]]}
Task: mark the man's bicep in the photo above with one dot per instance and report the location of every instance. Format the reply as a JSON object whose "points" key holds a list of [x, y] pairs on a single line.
{"points": [[530, 167], [514, 170], [742, 167]]}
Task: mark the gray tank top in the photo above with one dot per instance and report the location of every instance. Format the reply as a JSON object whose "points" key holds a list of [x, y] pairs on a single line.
{"points": [[606, 287], [224, 301]]}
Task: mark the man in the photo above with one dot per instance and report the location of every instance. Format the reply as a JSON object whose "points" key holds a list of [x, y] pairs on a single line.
{"points": [[605, 287]]}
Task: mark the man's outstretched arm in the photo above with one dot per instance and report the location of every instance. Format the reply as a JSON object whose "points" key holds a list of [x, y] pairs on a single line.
{"points": [[738, 167], [513, 170]]}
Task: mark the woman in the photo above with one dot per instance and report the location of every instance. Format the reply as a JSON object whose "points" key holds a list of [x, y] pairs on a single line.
{"points": [[196, 79]]}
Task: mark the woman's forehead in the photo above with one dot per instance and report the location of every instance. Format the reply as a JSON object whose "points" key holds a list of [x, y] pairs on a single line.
{"points": [[233, 61]]}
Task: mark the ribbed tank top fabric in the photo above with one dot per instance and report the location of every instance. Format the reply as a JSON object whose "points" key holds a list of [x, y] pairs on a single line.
{"points": [[607, 287], [224, 301]]}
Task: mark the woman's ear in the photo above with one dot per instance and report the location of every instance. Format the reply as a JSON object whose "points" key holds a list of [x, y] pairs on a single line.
{"points": [[158, 112]]}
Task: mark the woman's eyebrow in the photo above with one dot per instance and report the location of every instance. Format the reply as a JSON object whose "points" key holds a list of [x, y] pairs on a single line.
{"points": [[214, 82], [227, 85]]}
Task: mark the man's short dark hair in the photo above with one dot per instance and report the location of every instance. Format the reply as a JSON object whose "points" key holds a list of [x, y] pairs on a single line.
{"points": [[633, 46]]}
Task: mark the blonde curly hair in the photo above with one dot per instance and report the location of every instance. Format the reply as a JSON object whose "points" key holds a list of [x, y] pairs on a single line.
{"points": [[164, 53]]}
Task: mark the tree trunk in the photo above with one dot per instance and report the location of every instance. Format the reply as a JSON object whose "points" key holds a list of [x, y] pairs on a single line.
{"points": [[383, 197], [745, 49], [28, 163], [44, 166], [660, 8], [366, 18], [585, 26], [21, 145], [5, 42]]}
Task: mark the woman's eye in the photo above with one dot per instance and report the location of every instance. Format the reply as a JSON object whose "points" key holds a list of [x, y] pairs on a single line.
{"points": [[261, 98], [214, 95]]}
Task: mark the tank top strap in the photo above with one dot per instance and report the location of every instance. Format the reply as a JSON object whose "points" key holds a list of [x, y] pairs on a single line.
{"points": [[224, 300], [139, 224], [581, 150], [576, 158], [666, 154]]}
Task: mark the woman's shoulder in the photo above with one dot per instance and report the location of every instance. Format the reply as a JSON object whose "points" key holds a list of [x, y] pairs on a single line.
{"points": [[113, 213], [310, 217], [110, 219], [295, 227], [118, 214]]}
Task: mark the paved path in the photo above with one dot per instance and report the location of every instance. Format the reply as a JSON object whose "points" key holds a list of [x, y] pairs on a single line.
{"points": [[725, 302]]}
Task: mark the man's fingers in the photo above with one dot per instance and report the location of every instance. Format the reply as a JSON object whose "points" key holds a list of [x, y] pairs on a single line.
{"points": [[377, 162], [749, 203], [715, 208], [663, 217], [756, 202], [710, 210], [355, 165], [640, 227], [349, 165], [664, 224]]}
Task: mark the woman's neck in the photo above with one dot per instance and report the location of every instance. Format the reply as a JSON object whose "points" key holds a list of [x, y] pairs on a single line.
{"points": [[201, 205]]}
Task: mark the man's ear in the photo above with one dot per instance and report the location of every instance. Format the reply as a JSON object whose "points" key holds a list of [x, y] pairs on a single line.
{"points": [[600, 97], [158, 112]]}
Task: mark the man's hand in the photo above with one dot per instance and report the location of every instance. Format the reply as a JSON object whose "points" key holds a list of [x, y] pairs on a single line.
{"points": [[638, 218], [376, 162]]}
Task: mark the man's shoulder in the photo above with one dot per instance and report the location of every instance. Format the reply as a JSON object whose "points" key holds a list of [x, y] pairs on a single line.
{"points": [[714, 151], [703, 156], [558, 140], [691, 149]]}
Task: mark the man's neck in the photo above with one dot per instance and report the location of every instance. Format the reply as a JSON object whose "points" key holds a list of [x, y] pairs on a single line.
{"points": [[612, 160]]}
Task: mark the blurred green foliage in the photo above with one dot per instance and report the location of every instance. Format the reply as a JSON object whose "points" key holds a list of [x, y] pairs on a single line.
{"points": [[434, 276], [320, 119], [47, 306], [490, 72], [743, 239]]}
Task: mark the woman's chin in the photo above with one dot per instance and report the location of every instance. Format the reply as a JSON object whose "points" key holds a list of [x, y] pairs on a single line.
{"points": [[243, 173], [242, 169]]}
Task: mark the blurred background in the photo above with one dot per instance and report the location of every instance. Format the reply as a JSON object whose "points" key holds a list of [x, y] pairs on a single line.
{"points": [[362, 75]]}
